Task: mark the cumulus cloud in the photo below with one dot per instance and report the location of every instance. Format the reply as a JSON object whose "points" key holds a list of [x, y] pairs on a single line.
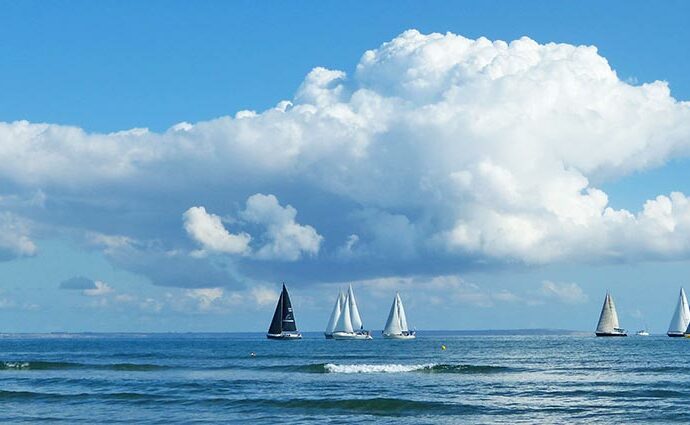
{"points": [[285, 239], [438, 151], [208, 230]]}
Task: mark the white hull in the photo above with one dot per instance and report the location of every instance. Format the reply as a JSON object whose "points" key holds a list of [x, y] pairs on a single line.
{"points": [[399, 336], [351, 335]]}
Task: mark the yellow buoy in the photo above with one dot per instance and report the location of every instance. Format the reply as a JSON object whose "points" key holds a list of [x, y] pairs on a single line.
{"points": [[443, 347]]}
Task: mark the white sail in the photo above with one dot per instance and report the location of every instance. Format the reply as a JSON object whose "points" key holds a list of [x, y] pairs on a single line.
{"points": [[681, 317], [401, 313], [354, 311], [393, 323], [344, 323], [608, 320], [335, 315]]}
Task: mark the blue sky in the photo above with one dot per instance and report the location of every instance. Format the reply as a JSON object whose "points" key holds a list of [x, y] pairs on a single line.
{"points": [[193, 228]]}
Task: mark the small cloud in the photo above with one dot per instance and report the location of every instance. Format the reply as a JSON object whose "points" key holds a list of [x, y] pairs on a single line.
{"points": [[101, 288], [125, 298], [78, 282], [263, 295], [205, 297], [568, 293], [150, 304]]}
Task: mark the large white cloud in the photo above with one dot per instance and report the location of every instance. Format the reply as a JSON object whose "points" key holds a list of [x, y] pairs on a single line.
{"points": [[437, 146], [283, 238], [208, 230]]}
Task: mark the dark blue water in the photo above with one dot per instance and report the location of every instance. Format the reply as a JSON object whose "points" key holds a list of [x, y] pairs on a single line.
{"points": [[200, 378]]}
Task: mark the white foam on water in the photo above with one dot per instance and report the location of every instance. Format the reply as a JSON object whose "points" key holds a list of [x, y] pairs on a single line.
{"points": [[16, 365], [375, 368]]}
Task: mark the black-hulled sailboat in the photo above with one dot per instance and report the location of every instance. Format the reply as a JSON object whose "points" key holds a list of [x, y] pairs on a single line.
{"points": [[283, 325]]}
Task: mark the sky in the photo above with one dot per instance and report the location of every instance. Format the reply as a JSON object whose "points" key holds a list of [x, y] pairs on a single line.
{"points": [[165, 165]]}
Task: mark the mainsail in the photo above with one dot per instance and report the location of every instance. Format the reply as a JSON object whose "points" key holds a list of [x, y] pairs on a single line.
{"points": [[393, 326], [335, 315], [283, 318], [354, 311], [608, 320], [681, 317], [344, 323]]}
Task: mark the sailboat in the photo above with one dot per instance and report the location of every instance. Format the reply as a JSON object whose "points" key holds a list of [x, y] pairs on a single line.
{"points": [[349, 324], [396, 326], [681, 317], [335, 315], [283, 325], [608, 320]]}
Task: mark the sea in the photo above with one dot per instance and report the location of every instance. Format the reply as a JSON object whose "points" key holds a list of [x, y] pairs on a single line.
{"points": [[245, 378]]}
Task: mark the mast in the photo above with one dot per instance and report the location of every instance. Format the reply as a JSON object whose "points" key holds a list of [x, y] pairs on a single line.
{"points": [[681, 317], [335, 315], [288, 316], [344, 322], [276, 327], [354, 311]]}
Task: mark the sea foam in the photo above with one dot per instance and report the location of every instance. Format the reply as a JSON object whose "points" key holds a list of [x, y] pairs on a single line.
{"points": [[375, 368]]}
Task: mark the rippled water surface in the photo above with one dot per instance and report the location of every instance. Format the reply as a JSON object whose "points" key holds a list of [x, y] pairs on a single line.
{"points": [[200, 378]]}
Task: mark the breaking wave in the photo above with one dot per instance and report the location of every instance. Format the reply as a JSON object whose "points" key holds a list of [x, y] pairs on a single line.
{"points": [[397, 368]]}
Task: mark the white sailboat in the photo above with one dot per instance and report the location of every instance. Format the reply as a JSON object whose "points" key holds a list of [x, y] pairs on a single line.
{"points": [[608, 320], [396, 326], [349, 324], [335, 315], [681, 317]]}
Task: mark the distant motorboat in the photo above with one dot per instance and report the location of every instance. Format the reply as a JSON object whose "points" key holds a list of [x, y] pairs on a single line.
{"points": [[349, 324], [608, 320], [396, 325], [283, 325], [681, 317], [642, 333]]}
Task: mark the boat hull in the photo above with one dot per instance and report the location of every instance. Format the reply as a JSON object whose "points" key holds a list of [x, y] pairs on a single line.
{"points": [[611, 334], [285, 336], [351, 336], [328, 336], [675, 334], [399, 336]]}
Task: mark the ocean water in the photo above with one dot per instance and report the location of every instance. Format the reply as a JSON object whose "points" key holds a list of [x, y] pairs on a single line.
{"points": [[211, 378]]}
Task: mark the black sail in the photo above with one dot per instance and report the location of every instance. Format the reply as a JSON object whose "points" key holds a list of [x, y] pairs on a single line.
{"points": [[277, 323], [288, 321]]}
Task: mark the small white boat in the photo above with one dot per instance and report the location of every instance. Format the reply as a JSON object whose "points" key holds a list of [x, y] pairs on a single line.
{"points": [[349, 324], [608, 320], [681, 317], [642, 333], [283, 325], [396, 325]]}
